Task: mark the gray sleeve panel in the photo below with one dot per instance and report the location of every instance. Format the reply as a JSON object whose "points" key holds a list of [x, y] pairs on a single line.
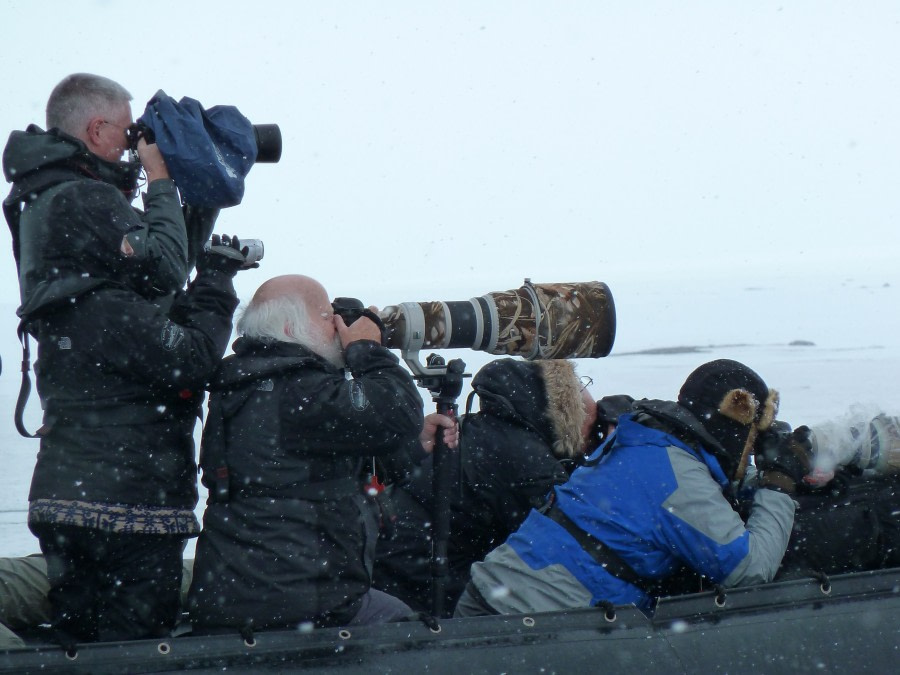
{"points": [[23, 592], [9, 640], [512, 587], [24, 588], [770, 526], [698, 500]]}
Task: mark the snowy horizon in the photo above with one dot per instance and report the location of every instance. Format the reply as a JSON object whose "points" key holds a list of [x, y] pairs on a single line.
{"points": [[834, 346]]}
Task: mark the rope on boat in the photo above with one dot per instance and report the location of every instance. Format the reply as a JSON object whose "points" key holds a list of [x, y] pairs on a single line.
{"points": [[430, 621], [247, 634]]}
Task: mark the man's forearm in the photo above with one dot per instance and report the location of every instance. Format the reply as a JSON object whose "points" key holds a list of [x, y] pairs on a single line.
{"points": [[163, 236]]}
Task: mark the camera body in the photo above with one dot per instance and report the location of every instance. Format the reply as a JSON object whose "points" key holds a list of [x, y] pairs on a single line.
{"points": [[349, 309], [774, 440], [136, 132], [255, 251]]}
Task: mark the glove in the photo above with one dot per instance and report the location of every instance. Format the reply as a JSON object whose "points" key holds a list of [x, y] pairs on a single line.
{"points": [[609, 408], [224, 254], [783, 456]]}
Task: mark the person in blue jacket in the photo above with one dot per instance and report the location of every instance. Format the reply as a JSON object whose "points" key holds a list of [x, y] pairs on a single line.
{"points": [[652, 500]]}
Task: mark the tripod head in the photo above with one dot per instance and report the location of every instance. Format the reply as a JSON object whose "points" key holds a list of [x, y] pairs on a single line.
{"points": [[443, 380]]}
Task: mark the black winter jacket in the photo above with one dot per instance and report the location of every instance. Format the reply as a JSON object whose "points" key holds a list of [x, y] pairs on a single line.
{"points": [[527, 430], [120, 379], [121, 384], [287, 535], [62, 190]]}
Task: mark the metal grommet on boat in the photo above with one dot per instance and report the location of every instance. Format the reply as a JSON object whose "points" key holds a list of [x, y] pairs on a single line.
{"points": [[71, 654], [163, 648], [721, 595], [528, 621], [250, 642], [344, 634], [609, 610], [435, 629], [824, 582]]}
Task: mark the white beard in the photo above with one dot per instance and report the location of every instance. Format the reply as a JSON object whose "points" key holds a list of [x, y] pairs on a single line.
{"points": [[333, 352]]}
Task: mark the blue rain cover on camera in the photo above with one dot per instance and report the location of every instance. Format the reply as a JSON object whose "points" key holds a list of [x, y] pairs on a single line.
{"points": [[208, 152]]}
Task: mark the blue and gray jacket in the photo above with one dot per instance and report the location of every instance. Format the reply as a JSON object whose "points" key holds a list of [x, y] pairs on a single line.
{"points": [[656, 500]]}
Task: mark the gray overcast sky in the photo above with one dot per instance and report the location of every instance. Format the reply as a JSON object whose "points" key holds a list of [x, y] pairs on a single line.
{"points": [[470, 144]]}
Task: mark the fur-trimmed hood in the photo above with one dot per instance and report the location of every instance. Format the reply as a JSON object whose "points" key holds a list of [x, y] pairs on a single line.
{"points": [[544, 396]]}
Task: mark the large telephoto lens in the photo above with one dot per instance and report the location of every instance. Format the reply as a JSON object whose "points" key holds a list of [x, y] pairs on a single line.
{"points": [[536, 321]]}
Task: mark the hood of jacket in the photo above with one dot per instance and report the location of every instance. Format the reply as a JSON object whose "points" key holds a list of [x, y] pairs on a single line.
{"points": [[544, 396], [679, 421], [35, 159]]}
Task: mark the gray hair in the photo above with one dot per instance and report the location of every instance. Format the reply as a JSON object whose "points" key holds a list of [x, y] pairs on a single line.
{"points": [[284, 318], [81, 96]]}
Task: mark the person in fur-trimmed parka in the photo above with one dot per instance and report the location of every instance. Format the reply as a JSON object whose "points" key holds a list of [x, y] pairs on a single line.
{"points": [[532, 426], [655, 498]]}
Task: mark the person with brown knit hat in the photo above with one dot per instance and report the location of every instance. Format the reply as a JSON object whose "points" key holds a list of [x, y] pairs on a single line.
{"points": [[653, 499]]}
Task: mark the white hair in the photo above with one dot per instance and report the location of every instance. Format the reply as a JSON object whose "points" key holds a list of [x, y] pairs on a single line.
{"points": [[81, 96], [286, 319]]}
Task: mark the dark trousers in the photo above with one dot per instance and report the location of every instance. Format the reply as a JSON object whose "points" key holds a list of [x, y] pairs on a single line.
{"points": [[856, 529], [110, 587]]}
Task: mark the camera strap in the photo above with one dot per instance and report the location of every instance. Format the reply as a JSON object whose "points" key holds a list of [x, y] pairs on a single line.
{"points": [[25, 387], [608, 559]]}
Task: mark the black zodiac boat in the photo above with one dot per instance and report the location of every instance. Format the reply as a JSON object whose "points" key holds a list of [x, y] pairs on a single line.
{"points": [[844, 623]]}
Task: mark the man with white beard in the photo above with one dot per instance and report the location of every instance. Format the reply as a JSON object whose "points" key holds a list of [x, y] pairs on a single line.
{"points": [[288, 538]]}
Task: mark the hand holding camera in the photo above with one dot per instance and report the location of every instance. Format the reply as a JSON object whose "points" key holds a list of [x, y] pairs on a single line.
{"points": [[225, 254], [347, 312], [152, 160], [361, 328], [783, 456], [142, 146]]}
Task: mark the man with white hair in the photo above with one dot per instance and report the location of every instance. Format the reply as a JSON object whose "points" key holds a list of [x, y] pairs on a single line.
{"points": [[288, 538]]}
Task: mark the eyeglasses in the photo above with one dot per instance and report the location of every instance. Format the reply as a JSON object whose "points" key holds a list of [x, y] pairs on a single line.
{"points": [[586, 381], [131, 132]]}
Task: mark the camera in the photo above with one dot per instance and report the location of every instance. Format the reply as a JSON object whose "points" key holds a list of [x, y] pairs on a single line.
{"points": [[774, 440], [267, 136], [859, 441], [351, 309], [255, 251], [536, 321]]}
